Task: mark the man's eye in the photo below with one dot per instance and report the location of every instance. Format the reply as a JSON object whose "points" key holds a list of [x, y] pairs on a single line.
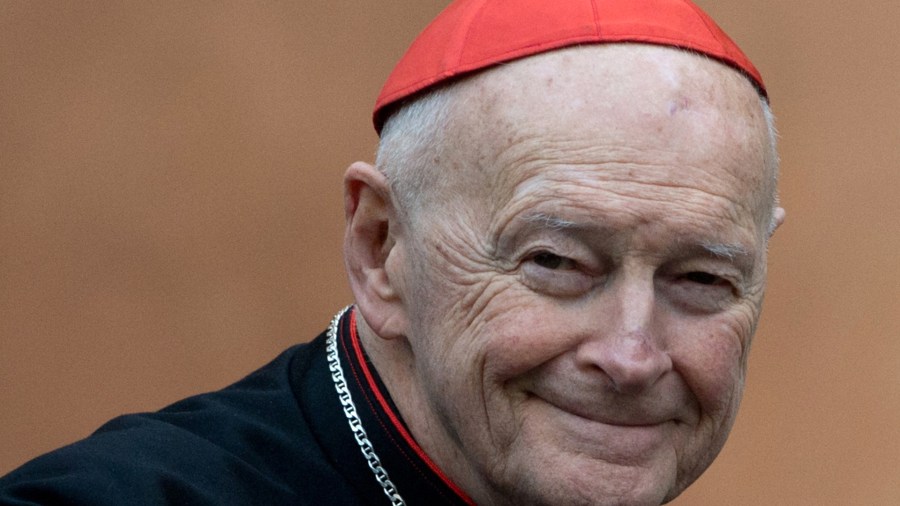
{"points": [[552, 262], [704, 278], [554, 275], [702, 291]]}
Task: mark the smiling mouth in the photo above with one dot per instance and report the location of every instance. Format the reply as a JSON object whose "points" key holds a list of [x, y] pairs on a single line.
{"points": [[636, 422]]}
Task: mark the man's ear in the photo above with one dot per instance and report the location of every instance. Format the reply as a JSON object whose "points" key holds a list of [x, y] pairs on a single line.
{"points": [[370, 240], [778, 216]]}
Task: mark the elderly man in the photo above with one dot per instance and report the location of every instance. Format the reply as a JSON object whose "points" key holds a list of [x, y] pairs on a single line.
{"points": [[558, 263]]}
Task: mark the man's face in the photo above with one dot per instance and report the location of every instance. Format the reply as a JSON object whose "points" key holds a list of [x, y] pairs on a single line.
{"points": [[582, 298]]}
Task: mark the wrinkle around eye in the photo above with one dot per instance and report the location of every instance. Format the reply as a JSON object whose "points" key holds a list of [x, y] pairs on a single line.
{"points": [[702, 292], [555, 275]]}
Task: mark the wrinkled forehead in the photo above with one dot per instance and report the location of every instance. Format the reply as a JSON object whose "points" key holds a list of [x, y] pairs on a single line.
{"points": [[600, 84], [607, 95], [628, 102]]}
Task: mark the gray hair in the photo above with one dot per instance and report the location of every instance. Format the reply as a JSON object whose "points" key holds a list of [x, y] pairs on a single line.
{"points": [[771, 192], [411, 144]]}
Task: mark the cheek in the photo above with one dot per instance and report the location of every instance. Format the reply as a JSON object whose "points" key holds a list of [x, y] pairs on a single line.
{"points": [[711, 357], [482, 359], [450, 284], [522, 332], [488, 372]]}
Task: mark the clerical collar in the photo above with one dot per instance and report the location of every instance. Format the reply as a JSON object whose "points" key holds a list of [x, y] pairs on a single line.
{"points": [[397, 462]]}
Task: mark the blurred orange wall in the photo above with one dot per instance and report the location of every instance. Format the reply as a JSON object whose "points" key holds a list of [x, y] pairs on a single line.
{"points": [[170, 218]]}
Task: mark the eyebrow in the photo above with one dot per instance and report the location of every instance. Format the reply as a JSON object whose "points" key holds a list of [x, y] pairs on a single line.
{"points": [[727, 251], [550, 221], [731, 252]]}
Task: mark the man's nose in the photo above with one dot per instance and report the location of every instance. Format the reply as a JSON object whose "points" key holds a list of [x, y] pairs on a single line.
{"points": [[625, 345]]}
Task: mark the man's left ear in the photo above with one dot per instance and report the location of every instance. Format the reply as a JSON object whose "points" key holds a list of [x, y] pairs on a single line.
{"points": [[371, 248], [778, 217]]}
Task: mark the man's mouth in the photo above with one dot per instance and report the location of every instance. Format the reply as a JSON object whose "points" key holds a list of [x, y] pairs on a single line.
{"points": [[626, 415]]}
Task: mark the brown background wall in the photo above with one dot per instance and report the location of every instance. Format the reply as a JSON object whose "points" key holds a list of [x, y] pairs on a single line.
{"points": [[170, 217]]}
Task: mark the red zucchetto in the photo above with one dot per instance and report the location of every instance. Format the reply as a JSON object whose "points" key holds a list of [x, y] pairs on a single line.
{"points": [[471, 35]]}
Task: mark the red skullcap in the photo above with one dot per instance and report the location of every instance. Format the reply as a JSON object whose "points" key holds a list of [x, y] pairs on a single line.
{"points": [[471, 35]]}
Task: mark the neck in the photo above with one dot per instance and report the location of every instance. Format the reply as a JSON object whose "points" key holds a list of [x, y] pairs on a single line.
{"points": [[395, 362]]}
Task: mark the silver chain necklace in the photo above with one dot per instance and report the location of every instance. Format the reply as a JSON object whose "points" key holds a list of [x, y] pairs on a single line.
{"points": [[337, 376]]}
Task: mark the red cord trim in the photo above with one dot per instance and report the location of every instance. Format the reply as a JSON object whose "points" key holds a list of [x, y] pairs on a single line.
{"points": [[395, 420]]}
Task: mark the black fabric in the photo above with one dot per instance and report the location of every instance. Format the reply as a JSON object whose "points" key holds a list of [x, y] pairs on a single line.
{"points": [[279, 436]]}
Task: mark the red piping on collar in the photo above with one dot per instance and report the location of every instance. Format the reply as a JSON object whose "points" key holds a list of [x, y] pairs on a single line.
{"points": [[395, 420]]}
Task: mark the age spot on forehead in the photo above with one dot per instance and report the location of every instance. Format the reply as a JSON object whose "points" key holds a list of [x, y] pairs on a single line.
{"points": [[678, 105]]}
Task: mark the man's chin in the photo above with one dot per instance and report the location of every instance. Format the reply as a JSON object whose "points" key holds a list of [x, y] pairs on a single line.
{"points": [[577, 492], [570, 477]]}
